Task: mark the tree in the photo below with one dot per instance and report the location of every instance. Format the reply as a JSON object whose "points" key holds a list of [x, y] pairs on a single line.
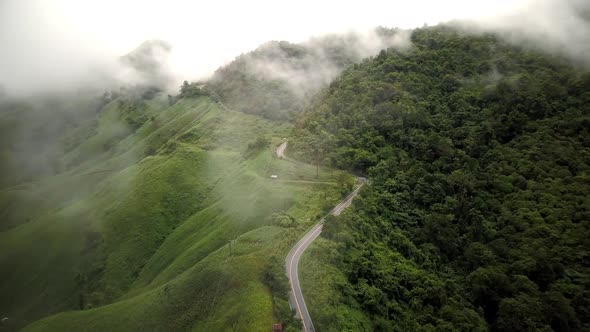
{"points": [[521, 313]]}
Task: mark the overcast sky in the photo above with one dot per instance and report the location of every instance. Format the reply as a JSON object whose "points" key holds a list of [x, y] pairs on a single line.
{"points": [[45, 41]]}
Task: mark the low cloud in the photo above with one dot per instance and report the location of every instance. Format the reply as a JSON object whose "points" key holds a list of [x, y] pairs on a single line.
{"points": [[65, 44], [279, 79], [313, 64], [41, 55], [559, 27]]}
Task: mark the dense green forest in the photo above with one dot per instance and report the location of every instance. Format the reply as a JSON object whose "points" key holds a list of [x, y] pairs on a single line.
{"points": [[477, 214]]}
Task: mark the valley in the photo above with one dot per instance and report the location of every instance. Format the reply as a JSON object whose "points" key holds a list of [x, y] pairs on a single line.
{"points": [[430, 179]]}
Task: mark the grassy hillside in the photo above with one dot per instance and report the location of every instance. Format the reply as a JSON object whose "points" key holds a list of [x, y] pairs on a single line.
{"points": [[477, 214], [133, 232], [217, 293]]}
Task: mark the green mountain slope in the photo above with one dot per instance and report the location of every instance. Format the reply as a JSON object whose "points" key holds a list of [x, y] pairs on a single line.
{"points": [[133, 231], [477, 213], [134, 211]]}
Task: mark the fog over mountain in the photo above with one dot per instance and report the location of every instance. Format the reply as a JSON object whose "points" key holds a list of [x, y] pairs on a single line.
{"points": [[558, 27], [65, 44], [164, 163]]}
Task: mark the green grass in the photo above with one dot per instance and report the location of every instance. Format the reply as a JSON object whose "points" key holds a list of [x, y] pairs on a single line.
{"points": [[215, 293], [136, 230]]}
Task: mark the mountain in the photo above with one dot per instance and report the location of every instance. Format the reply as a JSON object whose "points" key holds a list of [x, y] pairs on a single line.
{"points": [[477, 214], [146, 67], [123, 217], [135, 210], [279, 78], [149, 59]]}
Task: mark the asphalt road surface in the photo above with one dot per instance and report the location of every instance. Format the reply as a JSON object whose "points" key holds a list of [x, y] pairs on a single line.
{"points": [[281, 150], [296, 297]]}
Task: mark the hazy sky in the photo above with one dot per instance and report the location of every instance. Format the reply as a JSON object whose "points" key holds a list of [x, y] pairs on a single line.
{"points": [[45, 41]]}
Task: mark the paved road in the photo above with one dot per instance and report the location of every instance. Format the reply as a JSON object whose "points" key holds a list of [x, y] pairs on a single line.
{"points": [[306, 181], [292, 261], [281, 150]]}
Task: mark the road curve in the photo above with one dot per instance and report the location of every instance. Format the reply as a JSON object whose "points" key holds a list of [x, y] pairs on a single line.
{"points": [[292, 261], [281, 150]]}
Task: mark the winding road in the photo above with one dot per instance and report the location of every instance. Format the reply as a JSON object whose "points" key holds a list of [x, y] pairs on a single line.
{"points": [[292, 261], [281, 150], [296, 296]]}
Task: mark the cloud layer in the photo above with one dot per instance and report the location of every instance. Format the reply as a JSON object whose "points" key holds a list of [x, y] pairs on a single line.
{"points": [[558, 27], [66, 43]]}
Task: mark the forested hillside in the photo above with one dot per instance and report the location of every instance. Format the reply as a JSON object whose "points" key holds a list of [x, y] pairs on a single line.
{"points": [[278, 79], [477, 214]]}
